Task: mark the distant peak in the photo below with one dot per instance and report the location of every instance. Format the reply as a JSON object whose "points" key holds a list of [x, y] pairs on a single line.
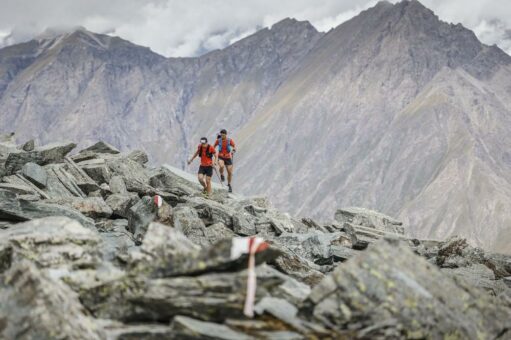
{"points": [[56, 31], [290, 23]]}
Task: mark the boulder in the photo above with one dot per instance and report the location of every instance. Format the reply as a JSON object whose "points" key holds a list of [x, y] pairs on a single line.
{"points": [[20, 189], [121, 204], [185, 327], [51, 153], [34, 306], [35, 174], [139, 217], [139, 157], [94, 207], [389, 292], [117, 185], [97, 169], [133, 174], [52, 242], [209, 297], [370, 219], [117, 240], [14, 209], [187, 221], [217, 232], [28, 146], [102, 147]]}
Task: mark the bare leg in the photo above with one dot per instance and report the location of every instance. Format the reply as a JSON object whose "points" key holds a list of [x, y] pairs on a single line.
{"points": [[202, 181], [221, 164], [208, 181], [229, 174]]}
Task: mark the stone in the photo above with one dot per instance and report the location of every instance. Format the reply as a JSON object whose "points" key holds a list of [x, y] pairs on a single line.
{"points": [[12, 209], [217, 232], [139, 217], [148, 331], [120, 204], [117, 185], [96, 169], [187, 221], [185, 327], [51, 153], [94, 207], [210, 297], [117, 240], [19, 189], [35, 174], [102, 147], [370, 219], [133, 174], [28, 146], [36, 307], [139, 157], [243, 224], [52, 242], [388, 291]]}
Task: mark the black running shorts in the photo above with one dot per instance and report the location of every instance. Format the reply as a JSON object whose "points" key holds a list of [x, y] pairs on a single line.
{"points": [[227, 161], [206, 170]]}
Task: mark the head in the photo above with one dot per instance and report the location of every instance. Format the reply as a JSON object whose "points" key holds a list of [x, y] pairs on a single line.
{"points": [[223, 133], [204, 141]]}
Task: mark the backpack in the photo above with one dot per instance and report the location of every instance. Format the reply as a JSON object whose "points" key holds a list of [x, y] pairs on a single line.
{"points": [[209, 154], [220, 145]]}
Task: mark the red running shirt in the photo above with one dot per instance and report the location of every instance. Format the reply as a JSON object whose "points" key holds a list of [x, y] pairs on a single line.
{"points": [[205, 160]]}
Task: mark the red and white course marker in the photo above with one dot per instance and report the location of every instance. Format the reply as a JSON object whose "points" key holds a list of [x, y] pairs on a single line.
{"points": [[158, 201], [251, 246]]}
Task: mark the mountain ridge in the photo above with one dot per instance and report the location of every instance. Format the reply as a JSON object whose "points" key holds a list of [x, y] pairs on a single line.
{"points": [[326, 113]]}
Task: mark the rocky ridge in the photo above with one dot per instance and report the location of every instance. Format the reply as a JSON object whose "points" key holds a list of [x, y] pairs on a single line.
{"points": [[87, 253]]}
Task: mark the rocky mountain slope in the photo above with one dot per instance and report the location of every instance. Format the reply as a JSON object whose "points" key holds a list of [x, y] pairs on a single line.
{"points": [[406, 114], [98, 245]]}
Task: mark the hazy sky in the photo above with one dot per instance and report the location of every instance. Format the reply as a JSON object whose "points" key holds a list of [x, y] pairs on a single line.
{"points": [[191, 27]]}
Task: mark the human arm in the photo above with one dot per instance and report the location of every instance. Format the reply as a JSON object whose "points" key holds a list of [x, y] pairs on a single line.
{"points": [[193, 157]]}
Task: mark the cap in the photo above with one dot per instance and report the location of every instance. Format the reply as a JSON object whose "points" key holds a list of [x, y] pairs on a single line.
{"points": [[223, 131]]}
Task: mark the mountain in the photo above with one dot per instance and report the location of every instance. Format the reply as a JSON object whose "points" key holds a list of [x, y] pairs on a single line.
{"points": [[393, 110]]}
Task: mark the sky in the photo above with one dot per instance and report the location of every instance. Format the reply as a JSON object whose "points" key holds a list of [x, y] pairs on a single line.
{"points": [[182, 28]]}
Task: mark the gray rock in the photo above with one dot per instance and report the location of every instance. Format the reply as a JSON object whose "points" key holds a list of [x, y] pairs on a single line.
{"points": [[244, 224], [52, 242], [28, 146], [35, 174], [96, 169], [209, 297], [120, 204], [391, 292], [140, 215], [479, 276], [120, 331], [185, 327], [187, 221], [19, 189], [102, 147], [94, 207], [138, 156], [369, 218], [117, 240], [12, 209], [36, 307], [217, 232], [117, 185], [133, 173], [51, 153]]}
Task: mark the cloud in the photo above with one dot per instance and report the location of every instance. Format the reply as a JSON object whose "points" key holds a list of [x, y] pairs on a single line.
{"points": [[192, 27]]}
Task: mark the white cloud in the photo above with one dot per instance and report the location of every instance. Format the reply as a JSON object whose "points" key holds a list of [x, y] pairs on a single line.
{"points": [[187, 28]]}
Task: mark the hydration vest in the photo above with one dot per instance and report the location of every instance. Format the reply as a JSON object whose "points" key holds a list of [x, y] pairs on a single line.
{"points": [[208, 153], [220, 143]]}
